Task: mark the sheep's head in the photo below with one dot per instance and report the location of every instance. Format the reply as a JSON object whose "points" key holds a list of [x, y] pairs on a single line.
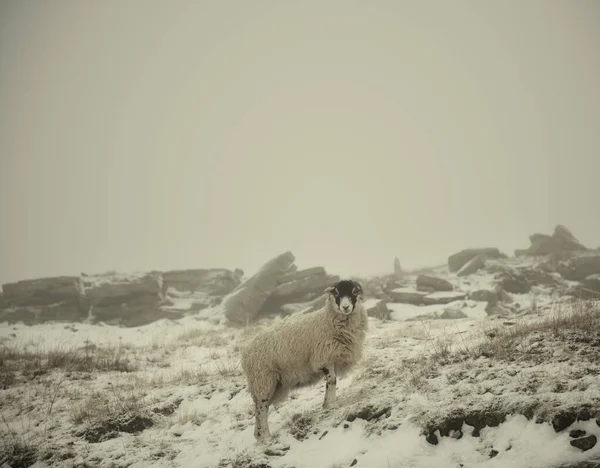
{"points": [[345, 294]]}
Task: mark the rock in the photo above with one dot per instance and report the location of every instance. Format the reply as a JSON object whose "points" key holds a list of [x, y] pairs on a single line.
{"points": [[213, 282], [562, 240], [472, 266], [297, 287], [242, 305], [577, 433], [127, 301], [459, 259], [503, 296], [425, 283], [397, 269], [378, 287], [377, 308], [582, 292], [440, 297], [412, 296], [592, 282], [369, 412], [407, 296], [294, 274], [579, 268], [42, 292], [585, 443], [304, 307], [315, 282], [452, 314], [484, 295], [514, 282]]}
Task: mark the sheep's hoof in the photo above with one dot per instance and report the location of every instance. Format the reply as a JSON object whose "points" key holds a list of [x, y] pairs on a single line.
{"points": [[263, 438]]}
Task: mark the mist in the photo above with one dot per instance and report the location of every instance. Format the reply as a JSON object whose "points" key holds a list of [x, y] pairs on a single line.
{"points": [[146, 135]]}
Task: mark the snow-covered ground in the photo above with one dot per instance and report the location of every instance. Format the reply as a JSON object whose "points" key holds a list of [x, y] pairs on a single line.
{"points": [[171, 394]]}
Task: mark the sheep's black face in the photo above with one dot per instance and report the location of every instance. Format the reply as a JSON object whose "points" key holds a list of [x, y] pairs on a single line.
{"points": [[346, 294]]}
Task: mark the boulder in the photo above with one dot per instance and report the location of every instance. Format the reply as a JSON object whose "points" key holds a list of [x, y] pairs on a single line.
{"points": [[514, 282], [398, 274], [42, 292], [377, 308], [126, 301], [412, 296], [300, 284], [562, 240], [443, 297], [294, 274], [407, 296], [213, 281], [484, 295], [592, 282], [459, 259], [243, 304], [579, 268], [432, 283], [472, 266]]}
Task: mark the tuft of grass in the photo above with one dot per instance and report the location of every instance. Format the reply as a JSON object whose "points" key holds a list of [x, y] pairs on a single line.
{"points": [[105, 414], [17, 452]]}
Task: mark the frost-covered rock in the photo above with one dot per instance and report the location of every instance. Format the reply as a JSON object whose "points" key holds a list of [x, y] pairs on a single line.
{"points": [[579, 268], [459, 259], [562, 240], [472, 266], [433, 283], [242, 305], [42, 291], [211, 281]]}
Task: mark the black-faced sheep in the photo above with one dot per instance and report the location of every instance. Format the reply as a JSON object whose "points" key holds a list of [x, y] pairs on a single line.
{"points": [[303, 349]]}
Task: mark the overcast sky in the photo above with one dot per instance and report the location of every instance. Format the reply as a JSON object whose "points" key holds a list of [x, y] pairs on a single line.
{"points": [[146, 134]]}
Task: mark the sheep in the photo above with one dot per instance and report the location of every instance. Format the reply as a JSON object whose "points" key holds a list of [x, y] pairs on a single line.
{"points": [[302, 349]]}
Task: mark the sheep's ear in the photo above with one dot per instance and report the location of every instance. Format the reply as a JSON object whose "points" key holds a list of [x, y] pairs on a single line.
{"points": [[329, 290], [358, 290]]}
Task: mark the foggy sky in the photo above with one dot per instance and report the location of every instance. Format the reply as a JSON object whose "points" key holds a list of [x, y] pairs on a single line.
{"points": [[139, 134]]}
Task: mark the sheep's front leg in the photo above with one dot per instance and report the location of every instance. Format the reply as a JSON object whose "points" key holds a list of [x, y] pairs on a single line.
{"points": [[261, 427], [330, 382]]}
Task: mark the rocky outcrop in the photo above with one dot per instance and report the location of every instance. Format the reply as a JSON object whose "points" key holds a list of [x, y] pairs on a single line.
{"points": [[243, 304], [412, 296], [297, 287], [213, 281], [43, 299], [579, 268], [459, 259], [472, 266], [128, 302], [42, 292], [562, 240], [433, 283]]}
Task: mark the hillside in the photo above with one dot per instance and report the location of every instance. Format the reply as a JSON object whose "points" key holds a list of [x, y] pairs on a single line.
{"points": [[491, 360]]}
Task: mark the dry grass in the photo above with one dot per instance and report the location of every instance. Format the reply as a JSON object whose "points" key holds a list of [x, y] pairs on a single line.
{"points": [[17, 452], [205, 337], [30, 363], [504, 341], [104, 414]]}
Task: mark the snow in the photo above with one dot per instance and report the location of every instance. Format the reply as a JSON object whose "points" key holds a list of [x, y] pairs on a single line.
{"points": [[193, 365]]}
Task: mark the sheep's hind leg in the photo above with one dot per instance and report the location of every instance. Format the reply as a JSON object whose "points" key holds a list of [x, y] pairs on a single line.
{"points": [[330, 386], [261, 427]]}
